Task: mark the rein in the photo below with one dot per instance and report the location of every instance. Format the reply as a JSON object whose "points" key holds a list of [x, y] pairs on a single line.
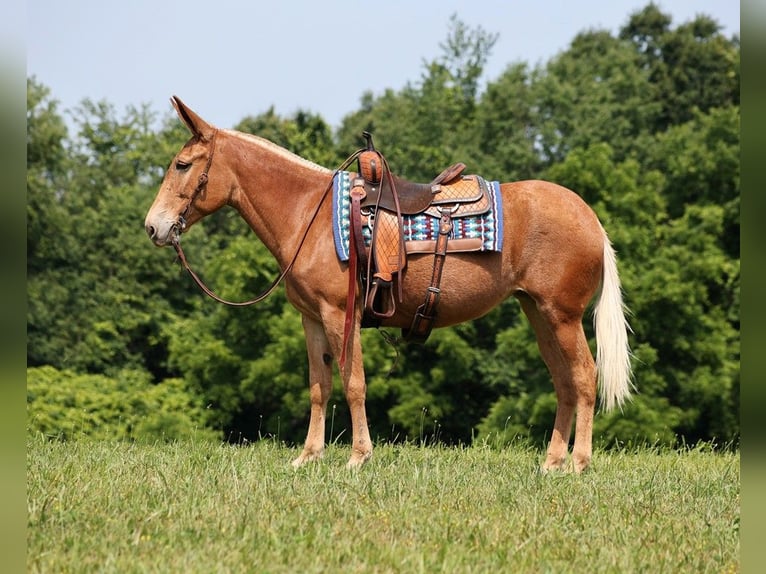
{"points": [[181, 225], [201, 284]]}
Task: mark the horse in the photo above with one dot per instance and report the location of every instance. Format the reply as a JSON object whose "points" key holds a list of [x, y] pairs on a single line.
{"points": [[556, 257]]}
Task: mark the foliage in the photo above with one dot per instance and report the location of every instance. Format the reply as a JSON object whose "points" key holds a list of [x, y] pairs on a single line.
{"points": [[692, 67], [643, 124], [305, 134], [67, 405], [198, 507], [95, 297]]}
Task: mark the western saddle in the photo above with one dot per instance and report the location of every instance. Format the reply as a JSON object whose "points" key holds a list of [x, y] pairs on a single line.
{"points": [[379, 200]]}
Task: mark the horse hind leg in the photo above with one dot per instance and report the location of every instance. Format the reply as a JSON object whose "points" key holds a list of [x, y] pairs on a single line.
{"points": [[564, 348]]}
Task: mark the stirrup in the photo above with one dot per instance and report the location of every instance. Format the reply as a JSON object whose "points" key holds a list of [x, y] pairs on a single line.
{"points": [[377, 288]]}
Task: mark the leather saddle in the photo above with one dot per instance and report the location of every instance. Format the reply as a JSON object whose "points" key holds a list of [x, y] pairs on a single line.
{"points": [[413, 197], [379, 200]]}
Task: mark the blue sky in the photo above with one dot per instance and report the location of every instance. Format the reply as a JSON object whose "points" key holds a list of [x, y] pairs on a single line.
{"points": [[230, 59]]}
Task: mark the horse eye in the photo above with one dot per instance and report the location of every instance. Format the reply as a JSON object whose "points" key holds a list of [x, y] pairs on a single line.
{"points": [[182, 165]]}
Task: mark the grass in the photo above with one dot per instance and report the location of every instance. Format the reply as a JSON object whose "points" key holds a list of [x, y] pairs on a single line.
{"points": [[186, 507]]}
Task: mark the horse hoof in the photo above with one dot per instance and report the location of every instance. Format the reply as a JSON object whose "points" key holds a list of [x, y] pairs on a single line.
{"points": [[358, 459], [306, 457], [581, 466], [554, 464]]}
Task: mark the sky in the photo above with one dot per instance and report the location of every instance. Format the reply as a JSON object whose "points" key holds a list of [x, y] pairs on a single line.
{"points": [[232, 59]]}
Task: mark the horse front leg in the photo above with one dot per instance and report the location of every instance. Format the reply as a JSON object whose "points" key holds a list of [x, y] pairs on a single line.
{"points": [[320, 387], [355, 389]]}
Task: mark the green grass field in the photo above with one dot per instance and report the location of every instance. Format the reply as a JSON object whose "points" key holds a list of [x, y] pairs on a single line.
{"points": [[186, 507]]}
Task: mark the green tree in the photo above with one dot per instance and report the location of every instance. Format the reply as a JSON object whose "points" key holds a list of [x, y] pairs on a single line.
{"points": [[304, 134], [237, 357], [92, 276], [693, 67], [700, 161], [594, 92], [508, 133], [47, 226], [429, 125]]}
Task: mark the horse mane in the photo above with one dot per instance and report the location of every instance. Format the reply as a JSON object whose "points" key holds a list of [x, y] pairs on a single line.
{"points": [[278, 150]]}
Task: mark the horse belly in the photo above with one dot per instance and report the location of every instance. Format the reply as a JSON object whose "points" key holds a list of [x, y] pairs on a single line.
{"points": [[472, 284]]}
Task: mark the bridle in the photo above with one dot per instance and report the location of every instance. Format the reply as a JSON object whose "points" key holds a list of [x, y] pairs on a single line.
{"points": [[201, 184], [180, 225]]}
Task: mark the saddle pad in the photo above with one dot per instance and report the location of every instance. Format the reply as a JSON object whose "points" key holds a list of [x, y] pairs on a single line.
{"points": [[422, 227]]}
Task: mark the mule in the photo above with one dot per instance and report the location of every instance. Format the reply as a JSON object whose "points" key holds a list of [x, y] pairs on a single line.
{"points": [[556, 257]]}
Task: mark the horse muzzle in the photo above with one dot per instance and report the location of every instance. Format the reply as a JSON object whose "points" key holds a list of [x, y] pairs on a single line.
{"points": [[163, 232]]}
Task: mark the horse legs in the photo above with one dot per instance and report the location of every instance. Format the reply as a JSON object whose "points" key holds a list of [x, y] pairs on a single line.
{"points": [[321, 353], [355, 388], [565, 350], [320, 387]]}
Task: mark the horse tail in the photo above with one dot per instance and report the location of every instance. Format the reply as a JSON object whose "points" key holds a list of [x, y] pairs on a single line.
{"points": [[613, 351]]}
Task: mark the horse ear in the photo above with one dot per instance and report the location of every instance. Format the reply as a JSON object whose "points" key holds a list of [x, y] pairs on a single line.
{"points": [[196, 124]]}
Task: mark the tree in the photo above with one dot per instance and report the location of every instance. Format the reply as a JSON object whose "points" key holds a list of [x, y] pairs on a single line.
{"points": [[700, 160], [693, 67], [304, 134], [429, 125], [47, 226], [594, 92], [91, 270], [508, 131]]}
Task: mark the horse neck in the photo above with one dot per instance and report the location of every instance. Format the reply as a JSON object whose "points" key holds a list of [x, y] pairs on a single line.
{"points": [[277, 192]]}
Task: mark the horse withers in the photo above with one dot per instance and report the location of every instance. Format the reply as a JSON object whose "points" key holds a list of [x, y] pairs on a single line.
{"points": [[555, 258]]}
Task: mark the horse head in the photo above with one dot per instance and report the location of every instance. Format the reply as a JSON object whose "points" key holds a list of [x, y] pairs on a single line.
{"points": [[193, 186]]}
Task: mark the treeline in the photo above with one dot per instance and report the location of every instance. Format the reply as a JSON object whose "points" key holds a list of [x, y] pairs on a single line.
{"points": [[643, 124]]}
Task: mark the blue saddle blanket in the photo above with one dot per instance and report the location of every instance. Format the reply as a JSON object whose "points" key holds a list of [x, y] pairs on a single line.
{"points": [[421, 227]]}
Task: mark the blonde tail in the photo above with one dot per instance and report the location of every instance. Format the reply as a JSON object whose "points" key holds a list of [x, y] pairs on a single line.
{"points": [[613, 351]]}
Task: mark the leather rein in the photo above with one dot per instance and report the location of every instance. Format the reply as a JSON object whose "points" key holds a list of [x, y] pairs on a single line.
{"points": [[181, 225]]}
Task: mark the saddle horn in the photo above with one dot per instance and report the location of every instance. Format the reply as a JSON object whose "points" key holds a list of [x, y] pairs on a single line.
{"points": [[370, 162]]}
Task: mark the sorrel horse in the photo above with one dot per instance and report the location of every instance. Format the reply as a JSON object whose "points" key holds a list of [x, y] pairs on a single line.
{"points": [[555, 257]]}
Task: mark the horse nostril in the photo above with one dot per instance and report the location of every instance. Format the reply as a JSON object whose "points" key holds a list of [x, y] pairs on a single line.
{"points": [[151, 231]]}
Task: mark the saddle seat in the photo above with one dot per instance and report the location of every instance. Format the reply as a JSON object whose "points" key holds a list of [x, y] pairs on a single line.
{"points": [[450, 193], [413, 197]]}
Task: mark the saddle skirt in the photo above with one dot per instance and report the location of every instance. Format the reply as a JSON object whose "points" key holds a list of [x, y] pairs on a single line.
{"points": [[475, 205]]}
